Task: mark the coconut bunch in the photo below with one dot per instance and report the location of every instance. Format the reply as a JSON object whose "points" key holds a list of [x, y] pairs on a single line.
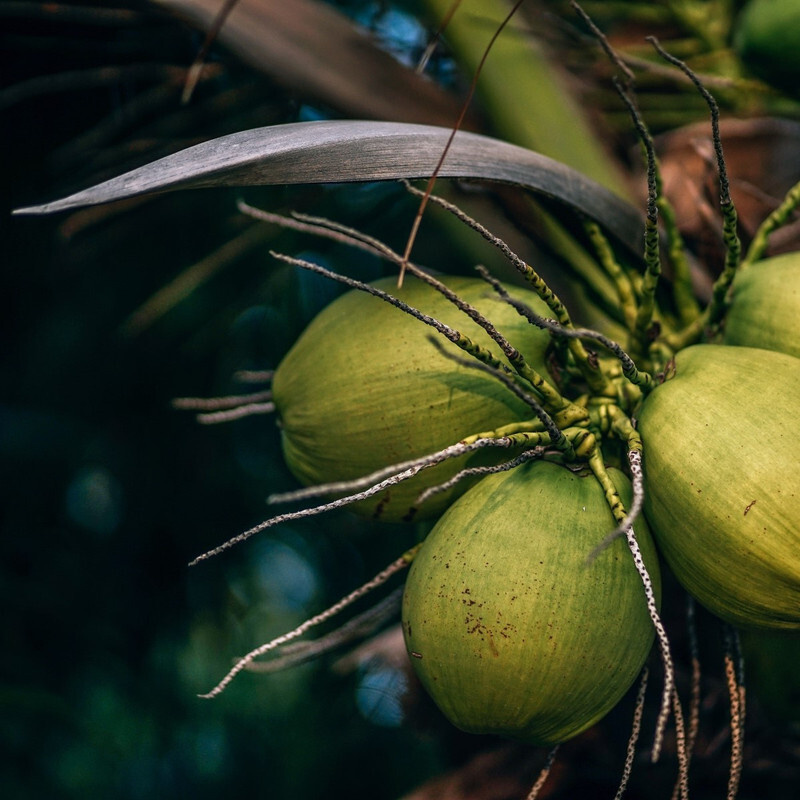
{"points": [[557, 464], [522, 616], [532, 605]]}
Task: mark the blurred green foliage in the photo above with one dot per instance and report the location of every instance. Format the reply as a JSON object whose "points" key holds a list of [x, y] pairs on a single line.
{"points": [[106, 493]]}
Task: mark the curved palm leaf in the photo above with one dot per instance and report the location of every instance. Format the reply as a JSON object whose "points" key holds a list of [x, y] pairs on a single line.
{"points": [[350, 151]]}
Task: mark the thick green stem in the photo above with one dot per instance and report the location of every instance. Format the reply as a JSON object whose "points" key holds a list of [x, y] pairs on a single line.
{"points": [[778, 218], [525, 426], [623, 427], [647, 295], [622, 282], [733, 251], [587, 367], [682, 291], [691, 334], [612, 495], [730, 234]]}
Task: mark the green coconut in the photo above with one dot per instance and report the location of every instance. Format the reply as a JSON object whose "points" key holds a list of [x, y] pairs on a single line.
{"points": [[722, 476], [510, 628], [765, 307], [767, 37], [365, 387]]}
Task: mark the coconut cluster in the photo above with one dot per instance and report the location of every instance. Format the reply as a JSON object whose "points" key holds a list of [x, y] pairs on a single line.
{"points": [[557, 475], [559, 466], [509, 627], [501, 596], [521, 615]]}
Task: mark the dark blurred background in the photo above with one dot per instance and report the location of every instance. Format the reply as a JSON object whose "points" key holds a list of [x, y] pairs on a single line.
{"points": [[106, 493]]}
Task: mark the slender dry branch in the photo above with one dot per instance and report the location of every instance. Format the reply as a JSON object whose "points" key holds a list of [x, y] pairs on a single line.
{"points": [[396, 566]]}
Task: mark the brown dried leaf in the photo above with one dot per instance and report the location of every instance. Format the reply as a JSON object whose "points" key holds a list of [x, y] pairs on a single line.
{"points": [[312, 49], [763, 162]]}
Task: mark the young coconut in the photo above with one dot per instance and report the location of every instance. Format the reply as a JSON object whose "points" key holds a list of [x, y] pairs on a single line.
{"points": [[365, 387], [511, 628], [722, 472], [767, 37], [765, 306]]}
